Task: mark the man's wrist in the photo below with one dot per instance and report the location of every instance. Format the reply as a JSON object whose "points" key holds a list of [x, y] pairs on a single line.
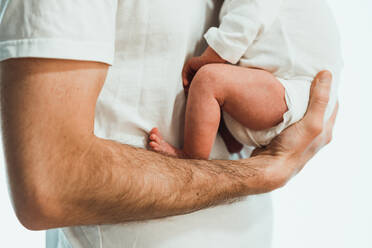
{"points": [[275, 168]]}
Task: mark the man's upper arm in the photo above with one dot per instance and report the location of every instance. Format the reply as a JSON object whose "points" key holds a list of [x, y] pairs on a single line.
{"points": [[48, 99], [47, 113]]}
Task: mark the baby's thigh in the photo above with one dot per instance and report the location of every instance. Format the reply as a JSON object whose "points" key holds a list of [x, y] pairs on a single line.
{"points": [[254, 97], [296, 98]]}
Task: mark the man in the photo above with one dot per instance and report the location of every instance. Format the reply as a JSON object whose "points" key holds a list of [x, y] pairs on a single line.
{"points": [[74, 129]]}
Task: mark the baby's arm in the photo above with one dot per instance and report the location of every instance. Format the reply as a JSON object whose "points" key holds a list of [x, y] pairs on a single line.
{"points": [[241, 23]]}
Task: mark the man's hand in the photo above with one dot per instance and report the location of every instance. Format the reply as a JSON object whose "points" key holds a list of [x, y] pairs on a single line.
{"points": [[296, 145], [195, 63]]}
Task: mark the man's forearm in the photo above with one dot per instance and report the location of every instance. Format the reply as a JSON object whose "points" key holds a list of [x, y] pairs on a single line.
{"points": [[60, 174], [114, 183]]}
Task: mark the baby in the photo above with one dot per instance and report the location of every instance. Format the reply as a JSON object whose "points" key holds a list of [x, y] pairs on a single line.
{"points": [[256, 73]]}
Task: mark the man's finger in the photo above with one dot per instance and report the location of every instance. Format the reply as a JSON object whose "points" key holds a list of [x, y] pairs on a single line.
{"points": [[319, 97]]}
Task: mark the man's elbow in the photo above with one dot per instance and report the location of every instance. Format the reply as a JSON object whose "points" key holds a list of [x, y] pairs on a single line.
{"points": [[38, 215], [32, 220], [36, 204], [43, 189]]}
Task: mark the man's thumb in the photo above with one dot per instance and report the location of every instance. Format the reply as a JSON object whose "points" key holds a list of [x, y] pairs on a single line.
{"points": [[319, 97]]}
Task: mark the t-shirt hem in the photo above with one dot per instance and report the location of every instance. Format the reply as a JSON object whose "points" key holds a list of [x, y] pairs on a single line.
{"points": [[57, 49]]}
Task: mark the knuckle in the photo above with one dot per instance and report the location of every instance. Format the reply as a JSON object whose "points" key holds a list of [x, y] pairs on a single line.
{"points": [[321, 100]]}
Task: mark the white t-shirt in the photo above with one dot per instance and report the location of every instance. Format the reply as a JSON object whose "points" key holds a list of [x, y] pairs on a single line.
{"points": [[147, 43]]}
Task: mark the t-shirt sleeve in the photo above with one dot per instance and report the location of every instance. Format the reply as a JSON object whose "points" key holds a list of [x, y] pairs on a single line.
{"points": [[240, 24], [62, 29]]}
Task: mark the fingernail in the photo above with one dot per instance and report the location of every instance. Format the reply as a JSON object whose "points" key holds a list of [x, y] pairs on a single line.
{"points": [[325, 77]]}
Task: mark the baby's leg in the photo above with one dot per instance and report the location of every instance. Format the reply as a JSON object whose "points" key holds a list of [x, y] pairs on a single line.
{"points": [[253, 97]]}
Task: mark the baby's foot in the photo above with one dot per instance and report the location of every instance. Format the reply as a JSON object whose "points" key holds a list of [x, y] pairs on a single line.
{"points": [[158, 144]]}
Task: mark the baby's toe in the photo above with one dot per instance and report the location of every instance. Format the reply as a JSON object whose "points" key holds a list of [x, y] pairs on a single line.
{"points": [[154, 146], [155, 138], [156, 132]]}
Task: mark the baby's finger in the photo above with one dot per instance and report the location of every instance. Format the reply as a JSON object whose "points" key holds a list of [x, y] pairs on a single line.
{"points": [[185, 76]]}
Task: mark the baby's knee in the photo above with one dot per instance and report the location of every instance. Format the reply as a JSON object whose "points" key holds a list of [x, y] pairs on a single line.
{"points": [[208, 79], [209, 73]]}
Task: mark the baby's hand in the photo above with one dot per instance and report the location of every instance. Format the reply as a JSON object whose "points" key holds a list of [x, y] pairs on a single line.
{"points": [[195, 63]]}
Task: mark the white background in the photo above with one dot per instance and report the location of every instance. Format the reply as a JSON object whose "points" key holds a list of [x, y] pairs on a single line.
{"points": [[329, 204]]}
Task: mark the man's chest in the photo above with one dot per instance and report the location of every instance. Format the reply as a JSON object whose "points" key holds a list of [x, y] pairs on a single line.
{"points": [[163, 25], [144, 87]]}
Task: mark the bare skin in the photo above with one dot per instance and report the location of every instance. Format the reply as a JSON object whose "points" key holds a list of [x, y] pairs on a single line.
{"points": [[60, 174], [253, 97], [188, 73]]}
